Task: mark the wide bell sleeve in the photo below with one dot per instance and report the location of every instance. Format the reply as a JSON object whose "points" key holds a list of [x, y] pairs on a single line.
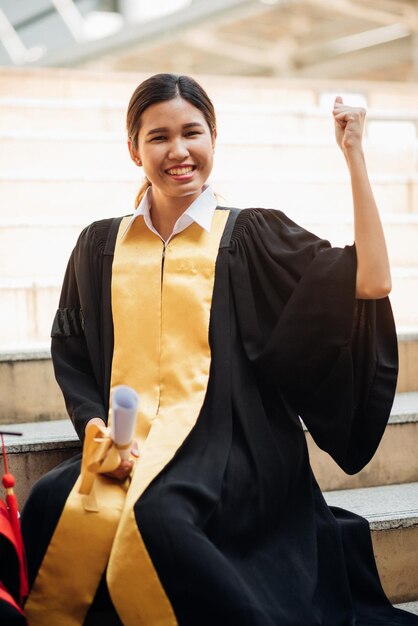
{"points": [[75, 345], [334, 358]]}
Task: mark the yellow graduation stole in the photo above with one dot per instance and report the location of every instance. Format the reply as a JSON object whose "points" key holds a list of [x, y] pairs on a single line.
{"points": [[161, 309]]}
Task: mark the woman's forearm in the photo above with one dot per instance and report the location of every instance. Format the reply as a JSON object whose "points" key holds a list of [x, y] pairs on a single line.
{"points": [[373, 278], [373, 271]]}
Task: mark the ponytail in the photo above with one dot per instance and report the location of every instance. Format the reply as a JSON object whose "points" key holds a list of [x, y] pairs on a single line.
{"points": [[142, 191]]}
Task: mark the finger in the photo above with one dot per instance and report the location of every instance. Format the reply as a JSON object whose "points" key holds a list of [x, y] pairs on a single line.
{"points": [[338, 100], [123, 467], [341, 120], [118, 474], [135, 449], [346, 111], [354, 112], [347, 116]]}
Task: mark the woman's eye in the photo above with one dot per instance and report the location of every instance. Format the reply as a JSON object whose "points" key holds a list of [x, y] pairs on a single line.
{"points": [[158, 138], [193, 132]]}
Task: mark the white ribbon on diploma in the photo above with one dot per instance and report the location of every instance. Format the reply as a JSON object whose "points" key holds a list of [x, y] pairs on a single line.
{"points": [[125, 402]]}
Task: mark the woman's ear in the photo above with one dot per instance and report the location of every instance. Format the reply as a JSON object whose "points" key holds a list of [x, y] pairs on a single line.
{"points": [[214, 136], [134, 153]]}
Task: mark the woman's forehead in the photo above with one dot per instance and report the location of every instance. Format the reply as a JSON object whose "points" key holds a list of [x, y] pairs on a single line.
{"points": [[171, 113]]}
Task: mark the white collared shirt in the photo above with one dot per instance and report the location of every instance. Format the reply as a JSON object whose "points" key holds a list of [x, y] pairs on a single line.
{"points": [[200, 211]]}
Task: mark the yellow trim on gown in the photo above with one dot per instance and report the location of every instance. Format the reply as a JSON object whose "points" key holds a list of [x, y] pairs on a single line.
{"points": [[161, 310]]}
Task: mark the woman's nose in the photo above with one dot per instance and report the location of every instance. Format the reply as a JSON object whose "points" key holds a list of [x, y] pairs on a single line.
{"points": [[178, 150]]}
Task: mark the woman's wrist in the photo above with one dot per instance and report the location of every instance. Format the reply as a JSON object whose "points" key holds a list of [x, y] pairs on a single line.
{"points": [[94, 421], [354, 155]]}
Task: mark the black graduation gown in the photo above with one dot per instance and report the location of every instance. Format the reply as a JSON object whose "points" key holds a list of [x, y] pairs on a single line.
{"points": [[235, 524]]}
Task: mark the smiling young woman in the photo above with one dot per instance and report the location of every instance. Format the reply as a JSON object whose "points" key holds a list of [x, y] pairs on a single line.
{"points": [[230, 324], [174, 144]]}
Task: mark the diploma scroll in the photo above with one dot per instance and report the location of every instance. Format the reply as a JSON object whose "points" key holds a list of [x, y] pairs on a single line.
{"points": [[125, 402]]}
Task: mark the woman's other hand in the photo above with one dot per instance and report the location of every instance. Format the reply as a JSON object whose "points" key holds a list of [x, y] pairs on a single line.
{"points": [[349, 125], [122, 472], [95, 421]]}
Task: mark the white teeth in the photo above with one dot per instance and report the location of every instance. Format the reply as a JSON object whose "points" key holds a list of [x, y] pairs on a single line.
{"points": [[178, 171]]}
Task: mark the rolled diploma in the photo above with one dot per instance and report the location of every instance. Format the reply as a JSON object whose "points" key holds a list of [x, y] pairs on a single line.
{"points": [[125, 402]]}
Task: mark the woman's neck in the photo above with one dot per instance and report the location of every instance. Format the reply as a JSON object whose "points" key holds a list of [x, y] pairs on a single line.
{"points": [[166, 211]]}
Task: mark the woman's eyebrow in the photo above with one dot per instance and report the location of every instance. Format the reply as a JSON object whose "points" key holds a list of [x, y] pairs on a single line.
{"points": [[192, 124], [157, 130], [164, 129]]}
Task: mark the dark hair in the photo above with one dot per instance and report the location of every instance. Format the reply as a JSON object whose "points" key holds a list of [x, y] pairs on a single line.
{"points": [[159, 88]]}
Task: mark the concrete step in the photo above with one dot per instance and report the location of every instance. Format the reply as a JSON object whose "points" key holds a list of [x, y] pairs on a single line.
{"points": [[42, 446], [28, 304], [259, 120], [28, 390], [408, 360], [86, 196], [59, 83], [66, 83], [412, 607], [46, 242], [36, 253], [27, 310], [263, 161], [302, 194], [401, 233], [92, 194], [82, 84], [76, 151], [396, 460], [28, 387], [62, 114], [392, 512], [240, 158], [404, 296]]}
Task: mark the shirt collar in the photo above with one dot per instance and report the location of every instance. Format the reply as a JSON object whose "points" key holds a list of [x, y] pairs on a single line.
{"points": [[200, 211]]}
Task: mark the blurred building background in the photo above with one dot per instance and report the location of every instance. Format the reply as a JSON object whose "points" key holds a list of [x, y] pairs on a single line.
{"points": [[350, 39], [272, 67]]}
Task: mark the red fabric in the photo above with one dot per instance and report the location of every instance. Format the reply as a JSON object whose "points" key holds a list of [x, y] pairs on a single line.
{"points": [[13, 511], [6, 528], [6, 597], [10, 528]]}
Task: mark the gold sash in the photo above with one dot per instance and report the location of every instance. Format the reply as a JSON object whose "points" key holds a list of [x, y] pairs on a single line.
{"points": [[161, 310]]}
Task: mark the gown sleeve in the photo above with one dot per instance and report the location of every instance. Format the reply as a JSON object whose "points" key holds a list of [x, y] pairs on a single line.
{"points": [[74, 350], [333, 357]]}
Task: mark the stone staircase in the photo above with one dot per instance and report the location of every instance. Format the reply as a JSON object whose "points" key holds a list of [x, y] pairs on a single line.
{"points": [[64, 163], [385, 491]]}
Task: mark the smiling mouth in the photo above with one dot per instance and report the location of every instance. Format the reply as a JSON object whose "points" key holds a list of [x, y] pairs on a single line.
{"points": [[181, 171]]}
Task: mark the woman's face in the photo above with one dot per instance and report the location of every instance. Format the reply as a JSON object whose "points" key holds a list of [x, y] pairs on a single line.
{"points": [[175, 148]]}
